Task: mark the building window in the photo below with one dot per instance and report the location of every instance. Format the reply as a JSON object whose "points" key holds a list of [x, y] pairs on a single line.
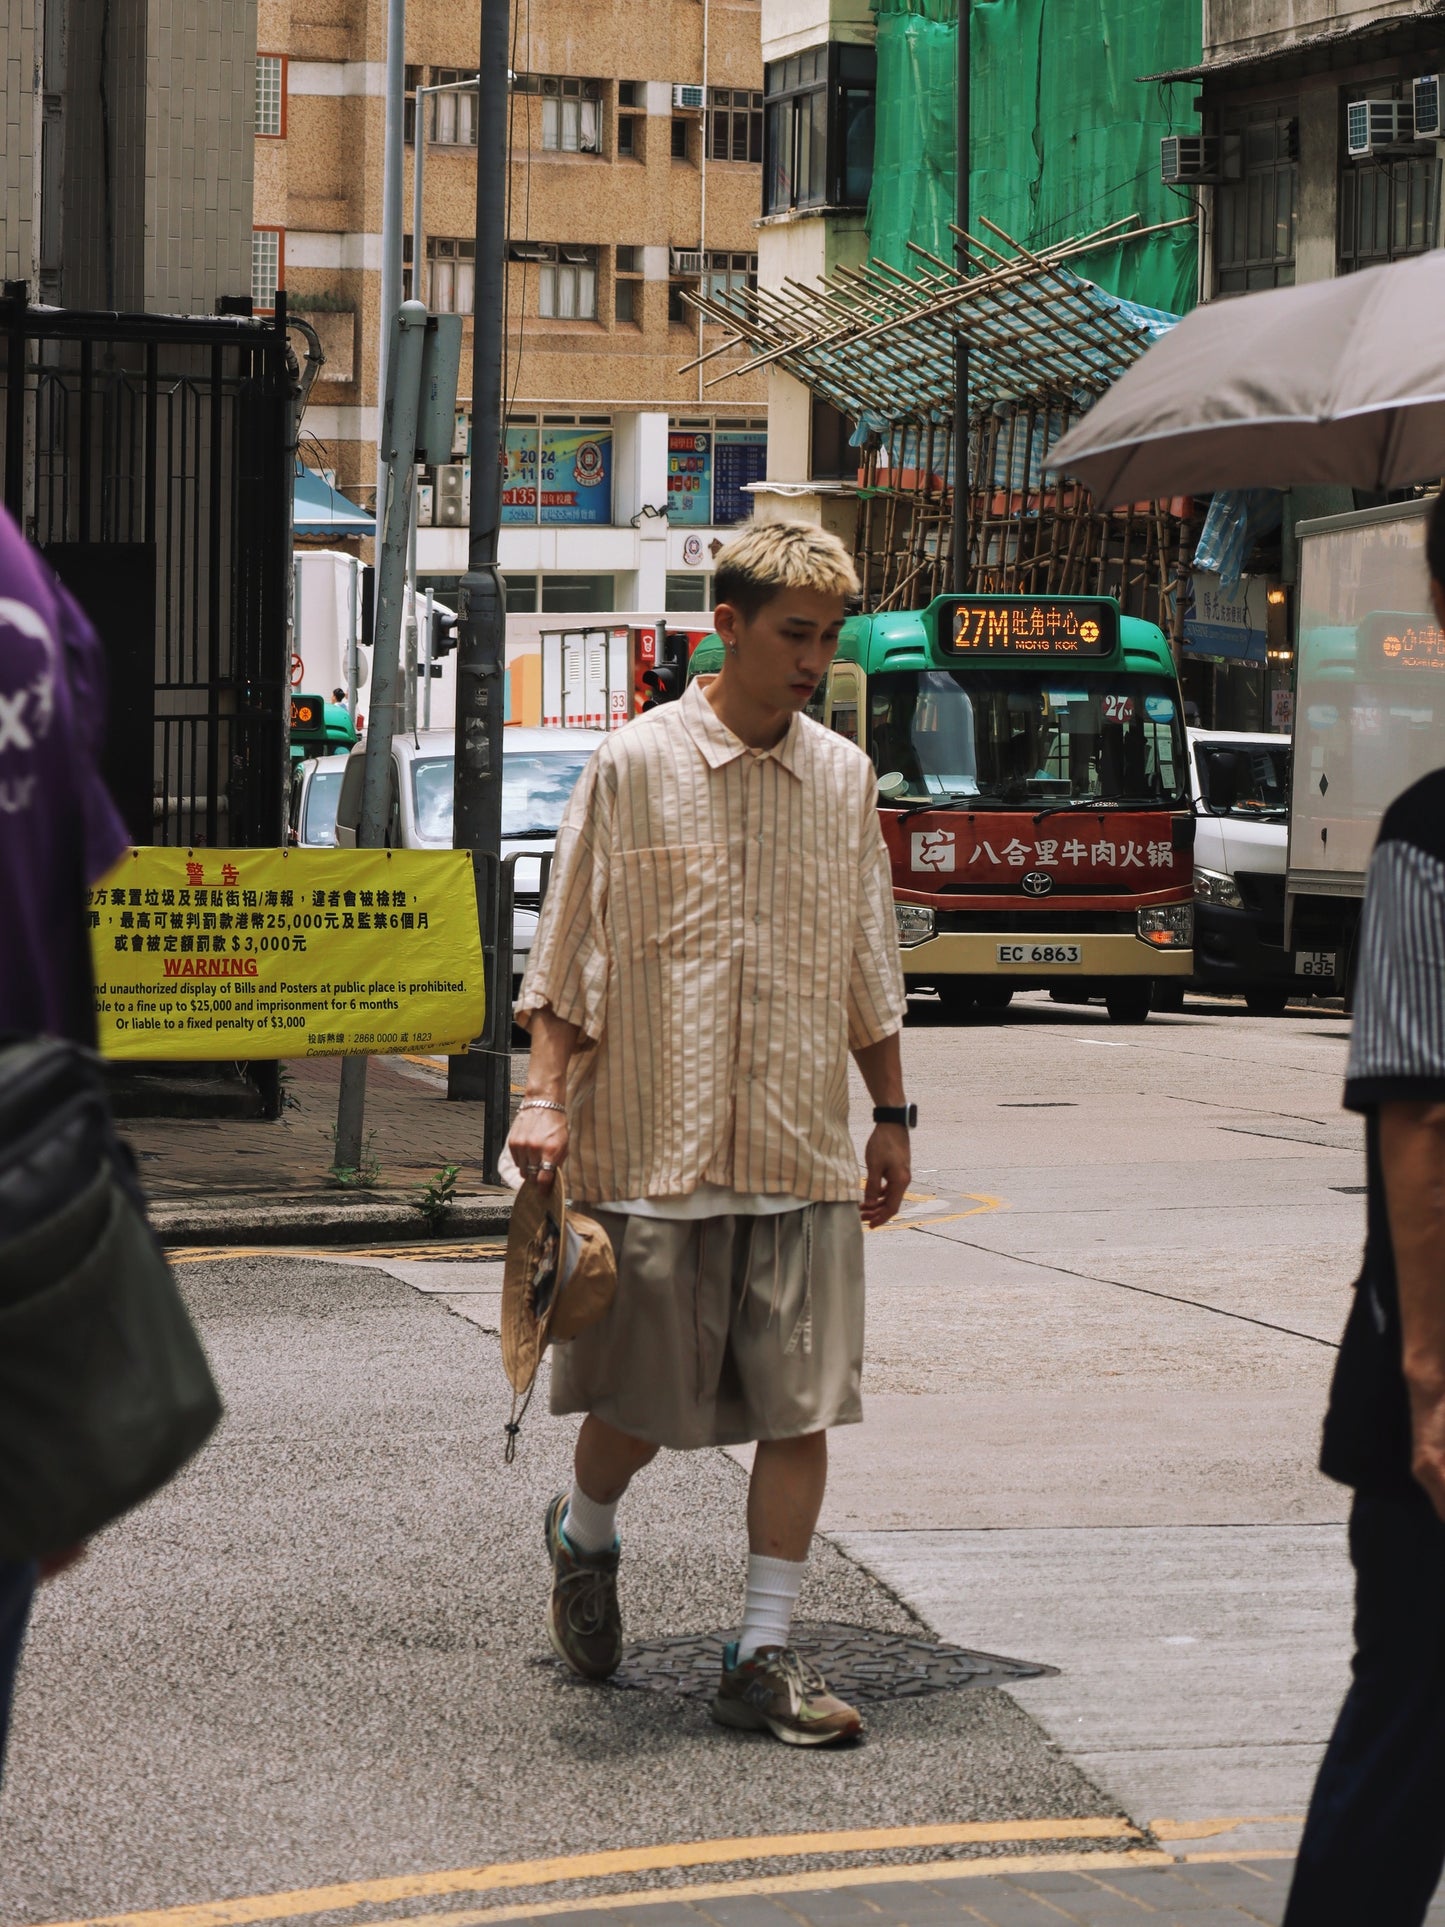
{"points": [[569, 595], [452, 118], [268, 267], [521, 594], [1389, 208], [271, 95], [566, 279], [567, 287], [628, 284], [734, 125], [688, 594], [571, 111], [680, 125], [1254, 213], [413, 81], [818, 129], [451, 274], [677, 308], [730, 278]]}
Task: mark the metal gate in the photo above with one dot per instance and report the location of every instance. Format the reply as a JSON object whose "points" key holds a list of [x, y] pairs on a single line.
{"points": [[149, 457]]}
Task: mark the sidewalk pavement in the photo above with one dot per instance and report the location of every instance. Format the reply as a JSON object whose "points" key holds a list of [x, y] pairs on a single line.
{"points": [[247, 1180]]}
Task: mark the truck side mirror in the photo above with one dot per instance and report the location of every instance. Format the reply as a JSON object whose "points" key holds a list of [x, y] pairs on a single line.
{"points": [[1221, 779]]}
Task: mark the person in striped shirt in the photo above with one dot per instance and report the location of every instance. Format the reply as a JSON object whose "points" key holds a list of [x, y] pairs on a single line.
{"points": [[1374, 1840], [717, 936]]}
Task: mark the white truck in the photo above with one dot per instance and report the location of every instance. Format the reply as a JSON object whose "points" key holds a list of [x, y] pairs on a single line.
{"points": [[1369, 718]]}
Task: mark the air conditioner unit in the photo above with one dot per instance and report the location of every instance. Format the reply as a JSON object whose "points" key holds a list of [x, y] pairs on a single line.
{"points": [[1427, 108], [1372, 126], [691, 99], [1189, 158], [688, 261], [425, 504]]}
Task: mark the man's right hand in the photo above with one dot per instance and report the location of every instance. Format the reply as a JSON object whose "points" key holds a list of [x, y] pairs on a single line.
{"points": [[538, 1143]]}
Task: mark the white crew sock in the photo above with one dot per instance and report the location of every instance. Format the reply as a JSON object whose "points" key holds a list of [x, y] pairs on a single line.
{"points": [[772, 1594], [590, 1527]]}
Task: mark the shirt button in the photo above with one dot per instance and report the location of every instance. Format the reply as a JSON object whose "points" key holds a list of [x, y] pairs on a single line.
{"points": [[759, 917]]}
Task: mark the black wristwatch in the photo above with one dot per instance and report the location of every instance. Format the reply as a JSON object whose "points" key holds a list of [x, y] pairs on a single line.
{"points": [[904, 1114]]}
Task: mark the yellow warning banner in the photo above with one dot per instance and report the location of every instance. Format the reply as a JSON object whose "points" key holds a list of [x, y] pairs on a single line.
{"points": [[214, 954]]}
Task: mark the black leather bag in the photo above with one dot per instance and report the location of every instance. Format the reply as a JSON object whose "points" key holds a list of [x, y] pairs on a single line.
{"points": [[105, 1391]]}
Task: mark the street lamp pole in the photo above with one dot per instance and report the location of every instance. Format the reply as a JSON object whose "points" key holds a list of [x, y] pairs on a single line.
{"points": [[485, 1075], [961, 218]]}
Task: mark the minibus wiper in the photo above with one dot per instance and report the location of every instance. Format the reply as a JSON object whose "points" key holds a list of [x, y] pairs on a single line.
{"points": [[1108, 803], [936, 803]]}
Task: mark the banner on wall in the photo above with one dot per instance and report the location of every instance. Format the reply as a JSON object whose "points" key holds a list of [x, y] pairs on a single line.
{"points": [[214, 954], [739, 457], [575, 476], [519, 481], [689, 479]]}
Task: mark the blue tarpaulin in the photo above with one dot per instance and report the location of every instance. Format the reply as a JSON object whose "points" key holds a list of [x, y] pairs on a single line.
{"points": [[319, 509]]}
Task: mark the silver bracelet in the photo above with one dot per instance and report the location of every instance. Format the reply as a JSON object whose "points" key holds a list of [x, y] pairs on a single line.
{"points": [[541, 1104]]}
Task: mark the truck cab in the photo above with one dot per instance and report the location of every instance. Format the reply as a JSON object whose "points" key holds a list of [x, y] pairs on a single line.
{"points": [[1239, 784]]}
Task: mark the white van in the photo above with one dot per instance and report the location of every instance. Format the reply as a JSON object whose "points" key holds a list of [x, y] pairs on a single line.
{"points": [[539, 769], [1239, 784]]}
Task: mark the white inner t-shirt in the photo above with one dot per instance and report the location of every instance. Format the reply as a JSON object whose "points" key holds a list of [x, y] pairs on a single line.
{"points": [[709, 1201]]}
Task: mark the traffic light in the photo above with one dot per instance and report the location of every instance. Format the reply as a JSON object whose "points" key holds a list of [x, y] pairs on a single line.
{"points": [[308, 720], [667, 678], [444, 628]]}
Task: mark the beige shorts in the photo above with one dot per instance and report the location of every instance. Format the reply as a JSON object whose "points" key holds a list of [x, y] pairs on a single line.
{"points": [[724, 1329]]}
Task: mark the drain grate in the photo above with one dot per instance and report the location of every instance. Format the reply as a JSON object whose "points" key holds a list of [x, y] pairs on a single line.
{"points": [[859, 1662]]}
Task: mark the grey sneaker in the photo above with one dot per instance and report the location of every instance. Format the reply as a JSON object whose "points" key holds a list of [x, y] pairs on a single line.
{"points": [[584, 1623], [777, 1691]]}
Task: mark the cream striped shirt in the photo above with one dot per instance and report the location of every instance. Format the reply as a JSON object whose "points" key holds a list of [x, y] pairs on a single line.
{"points": [[719, 926]]}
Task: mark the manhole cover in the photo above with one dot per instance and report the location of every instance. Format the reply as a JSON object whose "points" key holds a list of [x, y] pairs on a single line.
{"points": [[858, 1662]]}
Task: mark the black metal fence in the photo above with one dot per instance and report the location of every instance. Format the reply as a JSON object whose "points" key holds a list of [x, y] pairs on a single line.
{"points": [[149, 457]]}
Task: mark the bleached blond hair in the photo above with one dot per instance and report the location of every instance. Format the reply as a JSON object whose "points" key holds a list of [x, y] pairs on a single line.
{"points": [[769, 557]]}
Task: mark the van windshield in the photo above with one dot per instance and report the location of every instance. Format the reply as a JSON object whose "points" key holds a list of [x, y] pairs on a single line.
{"points": [[535, 787], [1006, 736], [323, 793]]}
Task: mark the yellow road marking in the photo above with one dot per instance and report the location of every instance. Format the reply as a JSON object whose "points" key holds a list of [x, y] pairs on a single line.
{"points": [[981, 1204], [203, 1255], [1211, 1829], [503, 1874]]}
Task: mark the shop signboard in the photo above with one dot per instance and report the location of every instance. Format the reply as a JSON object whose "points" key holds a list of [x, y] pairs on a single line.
{"points": [[739, 457], [1225, 626], [689, 479], [519, 483], [575, 476]]}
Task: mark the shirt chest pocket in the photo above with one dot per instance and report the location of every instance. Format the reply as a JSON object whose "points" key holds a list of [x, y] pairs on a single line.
{"points": [[669, 902]]}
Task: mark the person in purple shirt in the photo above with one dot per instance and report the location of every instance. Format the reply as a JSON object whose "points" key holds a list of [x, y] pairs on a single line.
{"points": [[59, 832]]}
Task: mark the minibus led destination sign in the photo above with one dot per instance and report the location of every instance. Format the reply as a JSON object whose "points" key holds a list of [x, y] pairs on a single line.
{"points": [[1029, 626]]}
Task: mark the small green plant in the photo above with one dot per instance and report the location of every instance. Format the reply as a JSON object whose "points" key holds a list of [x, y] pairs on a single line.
{"points": [[437, 1196], [360, 1176]]}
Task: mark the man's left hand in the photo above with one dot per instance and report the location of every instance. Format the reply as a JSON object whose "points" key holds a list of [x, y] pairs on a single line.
{"points": [[890, 1167]]}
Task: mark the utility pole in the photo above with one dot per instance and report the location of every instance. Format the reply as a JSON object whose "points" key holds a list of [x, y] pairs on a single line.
{"points": [[485, 1075], [391, 166], [397, 445], [961, 216]]}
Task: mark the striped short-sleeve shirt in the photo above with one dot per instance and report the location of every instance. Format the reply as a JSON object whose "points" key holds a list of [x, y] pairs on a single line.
{"points": [[719, 926], [1397, 1052]]}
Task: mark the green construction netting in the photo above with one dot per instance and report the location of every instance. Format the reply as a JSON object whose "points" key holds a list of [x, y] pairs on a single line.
{"points": [[1064, 137]]}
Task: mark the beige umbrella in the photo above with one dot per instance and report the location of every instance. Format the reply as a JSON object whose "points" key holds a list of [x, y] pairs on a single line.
{"points": [[1337, 381]]}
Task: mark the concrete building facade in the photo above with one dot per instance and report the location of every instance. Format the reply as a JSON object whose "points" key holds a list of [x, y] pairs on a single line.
{"points": [[636, 137], [126, 152]]}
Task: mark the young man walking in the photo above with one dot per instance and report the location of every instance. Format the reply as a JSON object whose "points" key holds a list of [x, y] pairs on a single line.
{"points": [[717, 936]]}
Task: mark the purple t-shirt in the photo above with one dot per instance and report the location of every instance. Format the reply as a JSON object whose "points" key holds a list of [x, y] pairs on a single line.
{"points": [[59, 829]]}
